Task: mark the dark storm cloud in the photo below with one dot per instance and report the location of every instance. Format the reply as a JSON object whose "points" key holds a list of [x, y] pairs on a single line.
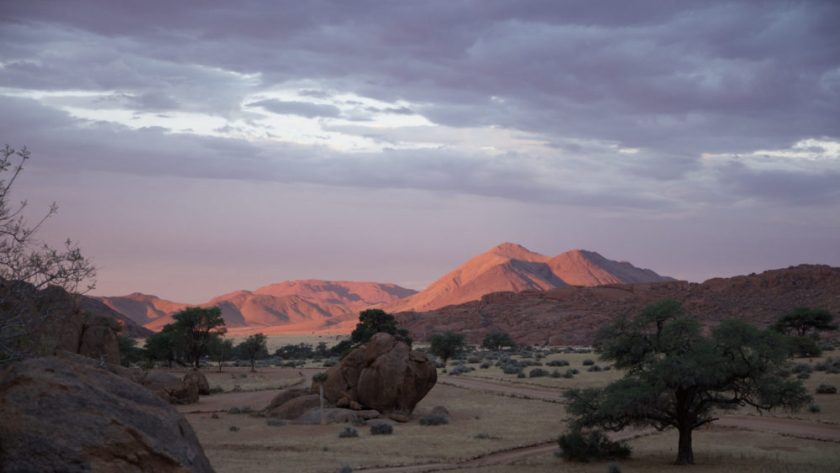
{"points": [[672, 79]]}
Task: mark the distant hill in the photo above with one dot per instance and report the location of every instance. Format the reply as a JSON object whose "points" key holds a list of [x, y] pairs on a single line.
{"points": [[514, 268], [572, 315], [290, 305]]}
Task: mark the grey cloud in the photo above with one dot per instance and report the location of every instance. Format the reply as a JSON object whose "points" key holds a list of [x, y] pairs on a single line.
{"points": [[671, 80], [800, 187], [303, 109]]}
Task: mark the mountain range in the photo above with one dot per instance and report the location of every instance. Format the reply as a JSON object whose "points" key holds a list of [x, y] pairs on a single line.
{"points": [[573, 315], [317, 305]]}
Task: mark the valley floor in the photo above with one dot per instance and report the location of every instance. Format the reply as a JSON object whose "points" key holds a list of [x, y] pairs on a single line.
{"points": [[501, 424]]}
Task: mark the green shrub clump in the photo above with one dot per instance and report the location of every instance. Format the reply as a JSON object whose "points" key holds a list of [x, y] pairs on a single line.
{"points": [[348, 432], [826, 389], [537, 373], [583, 447], [381, 429], [434, 420]]}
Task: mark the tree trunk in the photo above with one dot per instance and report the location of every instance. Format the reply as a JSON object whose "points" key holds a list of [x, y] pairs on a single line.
{"points": [[322, 403], [685, 454]]}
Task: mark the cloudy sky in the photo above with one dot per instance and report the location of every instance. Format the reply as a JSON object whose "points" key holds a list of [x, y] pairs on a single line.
{"points": [[199, 147]]}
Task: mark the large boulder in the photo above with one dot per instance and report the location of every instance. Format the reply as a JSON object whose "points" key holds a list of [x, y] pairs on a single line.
{"points": [[52, 320], [197, 378], [61, 414], [294, 407], [383, 374]]}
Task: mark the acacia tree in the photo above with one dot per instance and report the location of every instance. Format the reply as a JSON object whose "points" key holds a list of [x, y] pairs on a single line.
{"points": [[805, 321], [24, 258], [373, 321], [497, 340], [446, 345], [253, 348], [196, 328], [163, 345], [677, 377], [221, 350]]}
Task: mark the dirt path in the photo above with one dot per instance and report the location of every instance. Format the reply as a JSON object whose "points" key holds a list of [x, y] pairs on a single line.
{"points": [[256, 400], [495, 458], [779, 425], [505, 389]]}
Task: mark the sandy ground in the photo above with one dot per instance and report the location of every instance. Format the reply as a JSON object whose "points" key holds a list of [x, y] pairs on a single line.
{"points": [[501, 424]]}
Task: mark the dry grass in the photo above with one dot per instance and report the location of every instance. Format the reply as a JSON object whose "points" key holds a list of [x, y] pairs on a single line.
{"points": [[232, 376], [715, 450], [508, 423], [256, 446]]}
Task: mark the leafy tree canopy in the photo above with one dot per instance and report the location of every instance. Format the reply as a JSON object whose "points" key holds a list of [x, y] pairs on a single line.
{"points": [[253, 348], [497, 340], [446, 345], [804, 321], [678, 377], [196, 327], [373, 321]]}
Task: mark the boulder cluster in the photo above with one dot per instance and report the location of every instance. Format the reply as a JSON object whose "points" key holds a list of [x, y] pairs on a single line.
{"points": [[382, 377]]}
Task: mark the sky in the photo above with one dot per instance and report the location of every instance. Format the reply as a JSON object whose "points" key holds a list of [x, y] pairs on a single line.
{"points": [[200, 147]]}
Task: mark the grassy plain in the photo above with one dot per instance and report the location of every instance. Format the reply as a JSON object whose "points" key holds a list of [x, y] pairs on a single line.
{"points": [[487, 421]]}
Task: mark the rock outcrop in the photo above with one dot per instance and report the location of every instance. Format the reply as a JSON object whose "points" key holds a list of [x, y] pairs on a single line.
{"points": [[573, 315], [53, 320], [383, 374], [197, 378], [67, 414]]}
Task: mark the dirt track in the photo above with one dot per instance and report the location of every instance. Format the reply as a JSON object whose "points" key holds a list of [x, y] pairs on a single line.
{"points": [[782, 426], [505, 389]]}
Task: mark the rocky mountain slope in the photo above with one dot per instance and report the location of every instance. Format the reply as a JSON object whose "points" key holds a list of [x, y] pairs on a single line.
{"points": [[512, 267], [286, 306], [572, 315]]}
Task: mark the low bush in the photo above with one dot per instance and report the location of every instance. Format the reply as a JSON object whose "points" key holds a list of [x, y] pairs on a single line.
{"points": [[381, 429], [826, 389], [580, 447], [434, 420], [348, 432], [594, 368], [814, 408], [588, 362], [537, 373], [558, 363], [521, 374]]}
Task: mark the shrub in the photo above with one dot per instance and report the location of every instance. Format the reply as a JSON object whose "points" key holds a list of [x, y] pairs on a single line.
{"points": [[588, 362], [558, 363], [485, 365], [348, 432], [537, 373], [826, 389], [233, 428], [814, 408], [802, 368], [460, 369], [803, 376], [511, 369], [556, 374], [434, 420], [577, 446], [521, 374], [594, 368], [613, 468], [381, 429]]}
